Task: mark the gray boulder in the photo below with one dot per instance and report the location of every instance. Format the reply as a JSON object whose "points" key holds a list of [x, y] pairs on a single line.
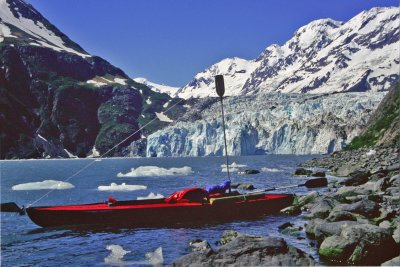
{"points": [[321, 208], [364, 207], [363, 244], [302, 172], [199, 245], [228, 236], [396, 234], [339, 215], [392, 262], [249, 251], [323, 230], [357, 178]]}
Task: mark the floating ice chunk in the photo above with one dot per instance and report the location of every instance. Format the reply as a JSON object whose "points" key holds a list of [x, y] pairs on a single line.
{"points": [[151, 196], [265, 169], [156, 171], [155, 258], [116, 256], [121, 187], [46, 184], [234, 167], [371, 153]]}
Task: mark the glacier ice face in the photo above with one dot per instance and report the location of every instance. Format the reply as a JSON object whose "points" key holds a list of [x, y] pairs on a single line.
{"points": [[269, 123]]}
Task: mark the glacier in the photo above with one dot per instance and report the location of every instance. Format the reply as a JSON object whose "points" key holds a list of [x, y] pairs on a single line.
{"points": [[269, 123]]}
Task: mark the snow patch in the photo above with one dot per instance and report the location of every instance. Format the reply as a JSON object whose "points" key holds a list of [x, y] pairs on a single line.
{"points": [[162, 117], [96, 83], [120, 81], [121, 187], [70, 155], [36, 29], [159, 88], [151, 196], [94, 153], [156, 171], [46, 184]]}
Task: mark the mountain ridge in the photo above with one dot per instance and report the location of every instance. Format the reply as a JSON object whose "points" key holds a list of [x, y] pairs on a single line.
{"points": [[323, 56]]}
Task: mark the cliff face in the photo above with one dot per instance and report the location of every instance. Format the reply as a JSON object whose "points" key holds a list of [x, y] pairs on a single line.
{"points": [[384, 125], [269, 123], [48, 110]]}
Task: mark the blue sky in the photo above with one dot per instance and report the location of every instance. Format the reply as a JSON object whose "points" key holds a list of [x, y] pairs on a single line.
{"points": [[169, 41]]}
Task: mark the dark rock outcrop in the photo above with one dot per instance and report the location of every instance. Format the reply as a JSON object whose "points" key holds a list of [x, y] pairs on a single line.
{"points": [[249, 251]]}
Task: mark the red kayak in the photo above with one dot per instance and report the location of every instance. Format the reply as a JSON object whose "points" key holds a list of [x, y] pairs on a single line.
{"points": [[190, 206]]}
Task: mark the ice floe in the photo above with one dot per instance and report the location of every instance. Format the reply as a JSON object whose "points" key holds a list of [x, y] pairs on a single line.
{"points": [[121, 187], [156, 257], [46, 184], [234, 167], [265, 169], [151, 196], [155, 171], [116, 256]]}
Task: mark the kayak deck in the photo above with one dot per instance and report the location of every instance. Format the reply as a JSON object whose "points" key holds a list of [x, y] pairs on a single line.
{"points": [[156, 213]]}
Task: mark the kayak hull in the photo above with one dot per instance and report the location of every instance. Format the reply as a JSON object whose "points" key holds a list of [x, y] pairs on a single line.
{"points": [[157, 213]]}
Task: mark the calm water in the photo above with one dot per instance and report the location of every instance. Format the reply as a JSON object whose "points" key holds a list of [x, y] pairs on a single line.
{"points": [[25, 244]]}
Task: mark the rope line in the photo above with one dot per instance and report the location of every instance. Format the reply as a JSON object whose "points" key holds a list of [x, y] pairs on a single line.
{"points": [[105, 153]]}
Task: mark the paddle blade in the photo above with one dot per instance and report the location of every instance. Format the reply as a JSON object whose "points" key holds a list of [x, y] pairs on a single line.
{"points": [[11, 207], [220, 85], [319, 182]]}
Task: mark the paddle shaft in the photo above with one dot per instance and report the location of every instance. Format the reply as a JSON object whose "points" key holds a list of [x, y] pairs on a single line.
{"points": [[313, 183], [220, 88], [226, 149]]}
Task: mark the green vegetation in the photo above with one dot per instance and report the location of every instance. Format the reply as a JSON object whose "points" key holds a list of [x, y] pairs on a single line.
{"points": [[379, 125], [111, 133], [157, 101]]}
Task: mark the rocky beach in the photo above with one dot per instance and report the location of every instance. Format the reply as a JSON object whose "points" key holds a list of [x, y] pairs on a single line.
{"points": [[355, 222]]}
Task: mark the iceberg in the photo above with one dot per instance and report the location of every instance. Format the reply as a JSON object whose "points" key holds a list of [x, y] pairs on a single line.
{"points": [[265, 169], [155, 171], [121, 187], [116, 256], [46, 184]]}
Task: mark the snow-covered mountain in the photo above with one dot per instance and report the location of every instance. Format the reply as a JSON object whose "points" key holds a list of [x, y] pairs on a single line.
{"points": [[159, 88], [269, 123], [20, 22], [322, 56], [235, 70]]}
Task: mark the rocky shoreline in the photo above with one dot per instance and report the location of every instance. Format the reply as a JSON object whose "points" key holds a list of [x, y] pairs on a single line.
{"points": [[355, 222]]}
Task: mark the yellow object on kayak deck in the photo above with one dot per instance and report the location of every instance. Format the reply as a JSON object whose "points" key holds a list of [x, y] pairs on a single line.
{"points": [[230, 199]]}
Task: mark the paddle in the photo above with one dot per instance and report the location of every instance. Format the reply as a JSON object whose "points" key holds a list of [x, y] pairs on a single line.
{"points": [[313, 183], [220, 88], [11, 207]]}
